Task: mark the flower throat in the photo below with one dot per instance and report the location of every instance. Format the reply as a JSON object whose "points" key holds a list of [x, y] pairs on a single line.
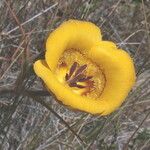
{"points": [[79, 73]]}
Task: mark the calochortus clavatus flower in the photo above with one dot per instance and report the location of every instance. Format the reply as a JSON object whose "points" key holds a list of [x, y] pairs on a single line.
{"points": [[84, 72]]}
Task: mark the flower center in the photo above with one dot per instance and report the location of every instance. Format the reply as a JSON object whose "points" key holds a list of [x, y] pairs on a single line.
{"points": [[79, 73], [76, 76]]}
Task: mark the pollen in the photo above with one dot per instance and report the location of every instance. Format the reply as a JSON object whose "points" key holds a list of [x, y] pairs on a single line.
{"points": [[81, 74]]}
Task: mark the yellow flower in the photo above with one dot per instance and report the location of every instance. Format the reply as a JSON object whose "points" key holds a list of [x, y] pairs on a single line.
{"points": [[84, 72]]}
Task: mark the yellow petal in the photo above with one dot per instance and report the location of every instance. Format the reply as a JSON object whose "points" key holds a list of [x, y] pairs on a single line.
{"points": [[119, 72], [79, 35], [65, 94]]}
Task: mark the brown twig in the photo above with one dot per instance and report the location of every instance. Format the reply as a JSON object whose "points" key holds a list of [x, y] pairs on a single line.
{"points": [[15, 17], [111, 12], [32, 94], [34, 17], [26, 92], [46, 105]]}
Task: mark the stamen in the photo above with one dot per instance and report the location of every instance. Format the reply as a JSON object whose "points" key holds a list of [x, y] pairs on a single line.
{"points": [[77, 75], [77, 78], [76, 85], [73, 68], [85, 79], [80, 86], [81, 69]]}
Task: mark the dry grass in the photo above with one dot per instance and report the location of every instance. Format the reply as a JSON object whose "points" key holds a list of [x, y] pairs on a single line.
{"points": [[29, 117]]}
